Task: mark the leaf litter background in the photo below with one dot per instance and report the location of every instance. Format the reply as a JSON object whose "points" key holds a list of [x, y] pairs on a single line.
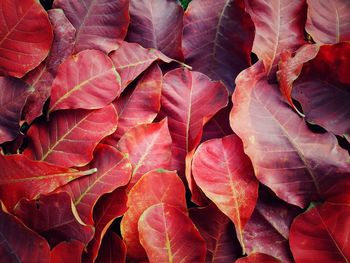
{"points": [[160, 131]]}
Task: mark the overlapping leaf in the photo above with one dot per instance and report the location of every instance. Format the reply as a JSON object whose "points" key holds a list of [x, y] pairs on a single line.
{"points": [[258, 258], [168, 235], [99, 24], [13, 96], [324, 229], [113, 249], [328, 22], [297, 164], [67, 252], [157, 24], [70, 137], [113, 171], [75, 87], [225, 174], [158, 186], [23, 44], [224, 49], [40, 215]]}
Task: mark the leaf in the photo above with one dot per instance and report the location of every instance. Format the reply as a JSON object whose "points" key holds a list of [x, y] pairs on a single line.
{"points": [[141, 105], [218, 232], [157, 24], [99, 24], [328, 23], [41, 78], [148, 147], [41, 216], [297, 164], [258, 258], [279, 26], [226, 176], [20, 244], [24, 178], [218, 38], [113, 171], [109, 207], [70, 137], [267, 231], [131, 59], [87, 80], [154, 187], [168, 235], [189, 100], [113, 249], [13, 96], [23, 44], [322, 232], [67, 252]]}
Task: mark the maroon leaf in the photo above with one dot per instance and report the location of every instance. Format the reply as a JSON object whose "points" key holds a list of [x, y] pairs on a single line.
{"points": [[41, 216], [87, 80], [218, 38], [158, 186], [226, 176], [70, 137], [157, 24], [13, 96], [168, 235], [148, 147], [41, 78], [20, 244], [328, 23], [99, 24], [67, 252], [258, 258], [23, 44], [113, 249], [113, 171], [324, 229], [267, 231], [130, 60], [279, 26], [24, 178], [109, 207], [218, 232], [298, 165]]}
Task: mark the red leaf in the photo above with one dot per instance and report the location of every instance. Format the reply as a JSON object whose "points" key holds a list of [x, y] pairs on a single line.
{"points": [[13, 96], [70, 137], [328, 22], [109, 207], [267, 231], [113, 171], [67, 252], [168, 235], [157, 24], [298, 165], [229, 33], [258, 258], [99, 24], [75, 87], [24, 178], [323, 233], [279, 26], [141, 105], [189, 100], [41, 215], [41, 78], [158, 186], [113, 249], [23, 44], [130, 60], [20, 244], [218, 232], [226, 176], [148, 147]]}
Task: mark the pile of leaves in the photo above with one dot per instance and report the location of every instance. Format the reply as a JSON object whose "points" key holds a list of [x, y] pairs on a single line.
{"points": [[137, 131]]}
